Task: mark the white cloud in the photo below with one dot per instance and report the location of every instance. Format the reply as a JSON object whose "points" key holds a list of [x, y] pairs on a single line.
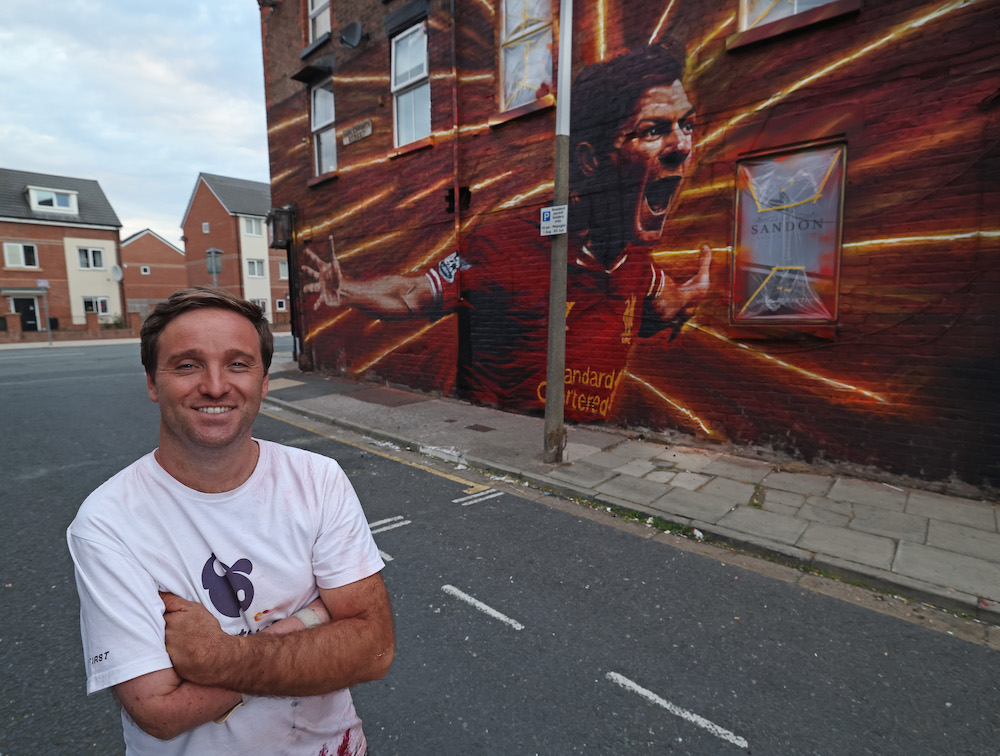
{"points": [[140, 97]]}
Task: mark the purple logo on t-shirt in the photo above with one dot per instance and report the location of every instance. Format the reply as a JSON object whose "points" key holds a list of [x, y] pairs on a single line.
{"points": [[232, 591]]}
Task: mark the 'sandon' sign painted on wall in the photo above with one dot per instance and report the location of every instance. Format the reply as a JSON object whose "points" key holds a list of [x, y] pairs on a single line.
{"points": [[554, 220]]}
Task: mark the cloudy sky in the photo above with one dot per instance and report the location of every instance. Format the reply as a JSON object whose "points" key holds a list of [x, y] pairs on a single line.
{"points": [[140, 96]]}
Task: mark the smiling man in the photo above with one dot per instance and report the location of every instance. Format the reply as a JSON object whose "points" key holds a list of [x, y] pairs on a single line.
{"points": [[632, 141], [229, 587]]}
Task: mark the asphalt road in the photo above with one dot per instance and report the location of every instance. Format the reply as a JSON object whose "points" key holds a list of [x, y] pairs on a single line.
{"points": [[522, 628]]}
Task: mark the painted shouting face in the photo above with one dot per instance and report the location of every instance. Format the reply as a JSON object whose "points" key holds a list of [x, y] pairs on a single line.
{"points": [[652, 154]]}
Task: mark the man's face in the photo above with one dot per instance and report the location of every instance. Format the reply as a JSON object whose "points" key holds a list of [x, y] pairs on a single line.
{"points": [[209, 380], [652, 152]]}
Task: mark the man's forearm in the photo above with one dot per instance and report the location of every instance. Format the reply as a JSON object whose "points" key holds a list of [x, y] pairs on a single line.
{"points": [[317, 661]]}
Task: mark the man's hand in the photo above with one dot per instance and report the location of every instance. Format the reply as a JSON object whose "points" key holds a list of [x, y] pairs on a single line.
{"points": [[194, 639], [327, 278], [679, 300]]}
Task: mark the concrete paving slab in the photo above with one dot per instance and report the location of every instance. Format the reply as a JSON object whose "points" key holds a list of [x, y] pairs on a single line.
{"points": [[802, 483], [782, 502], [576, 452], [964, 540], [764, 524], [737, 468], [976, 514], [688, 459], [689, 480], [863, 548], [581, 474], [693, 504], [607, 459], [948, 569], [813, 513], [868, 492], [845, 508], [738, 493], [639, 449], [661, 476], [637, 468], [879, 521], [633, 489]]}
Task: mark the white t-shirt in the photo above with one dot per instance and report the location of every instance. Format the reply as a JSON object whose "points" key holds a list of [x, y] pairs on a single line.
{"points": [[251, 556]]}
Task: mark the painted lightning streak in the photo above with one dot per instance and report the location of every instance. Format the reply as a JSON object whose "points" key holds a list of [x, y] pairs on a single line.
{"points": [[693, 52], [324, 225], [328, 324], [453, 591], [470, 488], [787, 365], [375, 360], [662, 22], [680, 408], [925, 239], [517, 199], [677, 711], [602, 29], [901, 31]]}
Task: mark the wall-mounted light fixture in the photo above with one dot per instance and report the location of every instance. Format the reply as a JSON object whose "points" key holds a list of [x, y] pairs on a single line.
{"points": [[353, 35], [280, 226]]}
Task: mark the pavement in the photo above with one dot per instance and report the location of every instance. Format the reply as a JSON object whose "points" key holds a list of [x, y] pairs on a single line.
{"points": [[925, 546]]}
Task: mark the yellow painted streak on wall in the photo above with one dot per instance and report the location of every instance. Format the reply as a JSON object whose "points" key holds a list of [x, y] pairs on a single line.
{"points": [[325, 225], [487, 182], [602, 29], [429, 190], [677, 406], [787, 365], [693, 52], [662, 22], [413, 336], [472, 488], [518, 198], [274, 129], [898, 32], [315, 332], [924, 239]]}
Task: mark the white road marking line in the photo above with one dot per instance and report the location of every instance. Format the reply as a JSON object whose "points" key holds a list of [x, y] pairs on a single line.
{"points": [[392, 527], [385, 557], [649, 695], [383, 522], [489, 493], [450, 589]]}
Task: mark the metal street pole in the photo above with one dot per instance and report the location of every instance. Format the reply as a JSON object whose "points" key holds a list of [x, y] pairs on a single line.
{"points": [[555, 386]]}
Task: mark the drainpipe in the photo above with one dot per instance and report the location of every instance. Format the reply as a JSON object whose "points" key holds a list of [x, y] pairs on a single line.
{"points": [[454, 126]]}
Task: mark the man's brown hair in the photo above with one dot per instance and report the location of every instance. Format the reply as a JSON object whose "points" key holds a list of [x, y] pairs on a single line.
{"points": [[192, 299]]}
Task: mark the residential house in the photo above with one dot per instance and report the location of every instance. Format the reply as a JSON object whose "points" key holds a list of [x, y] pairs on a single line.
{"points": [[60, 239], [154, 269], [226, 243], [782, 217]]}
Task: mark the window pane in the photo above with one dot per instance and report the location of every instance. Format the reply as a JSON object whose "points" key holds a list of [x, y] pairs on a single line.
{"points": [[98, 257], [322, 104], [30, 255], [282, 269], [413, 114], [102, 306], [523, 16], [326, 151], [46, 199], [753, 13], [527, 69], [84, 258], [787, 255], [410, 61], [62, 200]]}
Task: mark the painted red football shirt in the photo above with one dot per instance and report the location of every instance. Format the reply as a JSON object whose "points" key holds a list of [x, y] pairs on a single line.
{"points": [[501, 293]]}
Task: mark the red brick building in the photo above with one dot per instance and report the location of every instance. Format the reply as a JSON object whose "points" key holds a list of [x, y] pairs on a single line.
{"points": [[225, 230], [60, 254], [154, 269], [783, 218]]}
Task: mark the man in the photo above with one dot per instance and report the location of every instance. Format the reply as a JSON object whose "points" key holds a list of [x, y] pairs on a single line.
{"points": [[632, 145], [226, 534]]}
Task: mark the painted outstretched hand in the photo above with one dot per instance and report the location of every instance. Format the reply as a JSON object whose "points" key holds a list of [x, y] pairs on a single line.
{"points": [[695, 288], [326, 278]]}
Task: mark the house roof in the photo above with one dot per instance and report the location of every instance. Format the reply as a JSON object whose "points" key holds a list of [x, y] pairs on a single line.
{"points": [[94, 208], [238, 196], [139, 234]]}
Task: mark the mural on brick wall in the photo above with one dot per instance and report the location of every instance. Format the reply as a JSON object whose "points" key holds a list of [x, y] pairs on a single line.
{"points": [[761, 249]]}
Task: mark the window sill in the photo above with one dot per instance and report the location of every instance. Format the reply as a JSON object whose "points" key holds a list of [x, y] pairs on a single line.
{"points": [[542, 103], [792, 23], [417, 146], [322, 179], [315, 45]]}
